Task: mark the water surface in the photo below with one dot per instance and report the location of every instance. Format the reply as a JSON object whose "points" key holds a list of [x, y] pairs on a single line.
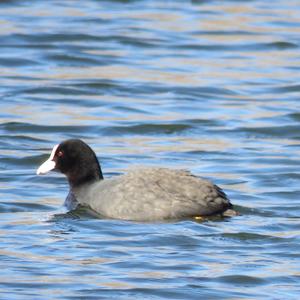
{"points": [[209, 86]]}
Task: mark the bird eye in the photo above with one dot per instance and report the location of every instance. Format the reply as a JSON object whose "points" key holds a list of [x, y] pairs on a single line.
{"points": [[60, 153]]}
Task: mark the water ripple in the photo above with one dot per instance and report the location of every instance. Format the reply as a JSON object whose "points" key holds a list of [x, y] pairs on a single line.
{"points": [[207, 86]]}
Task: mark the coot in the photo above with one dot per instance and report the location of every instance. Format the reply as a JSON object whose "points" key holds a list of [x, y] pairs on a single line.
{"points": [[142, 194]]}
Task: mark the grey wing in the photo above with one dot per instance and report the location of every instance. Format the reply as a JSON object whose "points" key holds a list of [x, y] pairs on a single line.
{"points": [[193, 196]]}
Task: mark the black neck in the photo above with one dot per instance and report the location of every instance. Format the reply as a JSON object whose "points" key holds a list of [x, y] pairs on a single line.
{"points": [[80, 177]]}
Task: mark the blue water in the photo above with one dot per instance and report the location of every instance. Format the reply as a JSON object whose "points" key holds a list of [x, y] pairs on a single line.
{"points": [[209, 86]]}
